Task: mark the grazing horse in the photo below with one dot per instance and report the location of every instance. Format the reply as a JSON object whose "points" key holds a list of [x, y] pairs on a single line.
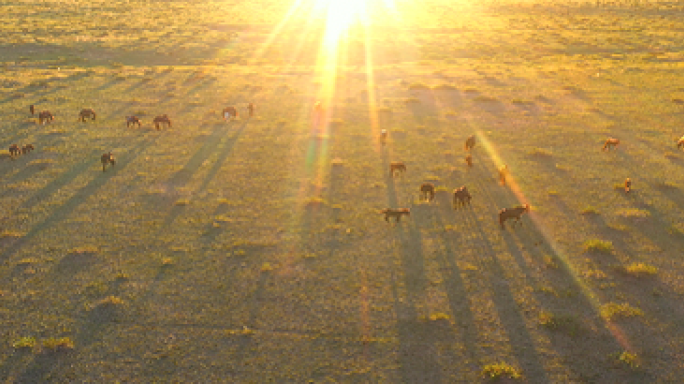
{"points": [[107, 158], [163, 119], [397, 166], [469, 160], [383, 136], [628, 185], [611, 143], [86, 114], [461, 197], [680, 142], [132, 120], [503, 172], [396, 212], [250, 108], [229, 113], [44, 117], [427, 191], [14, 150], [470, 143], [27, 148], [512, 213], [32, 109]]}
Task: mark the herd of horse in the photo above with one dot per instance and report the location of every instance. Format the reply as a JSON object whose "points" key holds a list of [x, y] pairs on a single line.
{"points": [[461, 195], [107, 158]]}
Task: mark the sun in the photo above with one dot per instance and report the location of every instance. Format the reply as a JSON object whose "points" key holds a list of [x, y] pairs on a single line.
{"points": [[341, 14]]}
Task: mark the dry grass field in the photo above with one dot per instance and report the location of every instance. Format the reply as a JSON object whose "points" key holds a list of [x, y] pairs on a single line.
{"points": [[253, 250]]}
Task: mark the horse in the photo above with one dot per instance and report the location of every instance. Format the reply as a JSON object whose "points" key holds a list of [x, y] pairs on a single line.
{"points": [[512, 213], [85, 114], [396, 212], [611, 143], [397, 166], [159, 120], [44, 117], [461, 197], [470, 143], [107, 158], [132, 120], [427, 191], [229, 113]]}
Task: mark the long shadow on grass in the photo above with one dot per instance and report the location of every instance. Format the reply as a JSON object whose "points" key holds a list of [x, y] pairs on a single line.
{"points": [[520, 340], [455, 287], [40, 370], [77, 199], [418, 355], [210, 146]]}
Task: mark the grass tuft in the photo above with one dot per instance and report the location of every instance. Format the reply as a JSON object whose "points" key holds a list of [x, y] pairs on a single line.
{"points": [[500, 370], [54, 345], [615, 311], [628, 359], [26, 342], [638, 270], [418, 87], [598, 246]]}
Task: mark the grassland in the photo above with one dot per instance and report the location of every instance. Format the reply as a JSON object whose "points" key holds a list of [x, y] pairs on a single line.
{"points": [[253, 250]]}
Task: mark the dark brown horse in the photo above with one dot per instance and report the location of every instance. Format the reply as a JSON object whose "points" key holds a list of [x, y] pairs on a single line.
{"points": [[397, 166], [461, 197], [132, 120], [27, 148], [427, 191], [44, 117], [470, 143], [86, 114], [106, 159], [396, 212], [14, 150], [159, 120], [512, 213]]}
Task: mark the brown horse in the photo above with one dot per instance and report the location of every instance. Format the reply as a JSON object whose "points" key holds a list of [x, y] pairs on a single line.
{"points": [[397, 166], [427, 191], [680, 142], [470, 143], [229, 113], [461, 197], [44, 117], [512, 213], [132, 120], [32, 109], [14, 150], [159, 120], [27, 148], [107, 158], [611, 143], [250, 108], [396, 212], [383, 136], [503, 172], [86, 114], [469, 160]]}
